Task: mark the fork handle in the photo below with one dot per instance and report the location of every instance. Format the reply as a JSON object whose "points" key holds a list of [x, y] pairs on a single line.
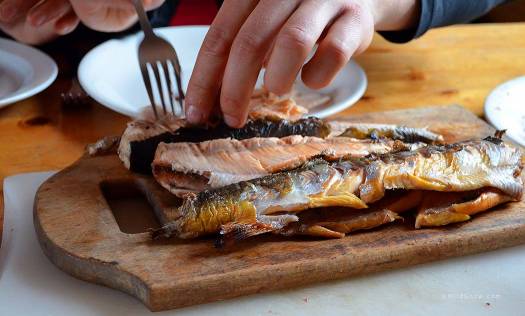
{"points": [[143, 18]]}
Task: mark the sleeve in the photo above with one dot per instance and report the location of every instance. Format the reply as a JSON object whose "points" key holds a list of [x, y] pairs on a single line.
{"points": [[437, 13]]}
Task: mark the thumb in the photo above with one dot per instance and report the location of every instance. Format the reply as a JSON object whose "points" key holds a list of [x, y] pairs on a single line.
{"points": [[152, 4]]}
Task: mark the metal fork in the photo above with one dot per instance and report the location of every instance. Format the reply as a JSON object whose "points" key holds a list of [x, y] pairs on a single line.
{"points": [[157, 54]]}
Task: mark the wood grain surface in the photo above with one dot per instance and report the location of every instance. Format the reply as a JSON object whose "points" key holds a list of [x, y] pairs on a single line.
{"points": [[79, 234], [459, 64]]}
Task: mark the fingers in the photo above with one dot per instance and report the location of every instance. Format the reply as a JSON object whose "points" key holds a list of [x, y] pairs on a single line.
{"points": [[295, 41], [247, 55], [152, 4], [108, 16], [351, 33], [47, 11], [280, 35], [206, 78], [67, 23], [11, 10], [52, 18]]}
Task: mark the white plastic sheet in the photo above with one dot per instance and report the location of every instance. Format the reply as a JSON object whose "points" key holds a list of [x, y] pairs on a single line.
{"points": [[491, 283]]}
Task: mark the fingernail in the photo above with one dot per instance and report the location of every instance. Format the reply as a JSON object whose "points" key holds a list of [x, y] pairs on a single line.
{"points": [[64, 29], [193, 114], [232, 120], [7, 12]]}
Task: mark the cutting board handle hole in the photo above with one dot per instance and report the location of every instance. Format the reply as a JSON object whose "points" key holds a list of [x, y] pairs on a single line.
{"points": [[129, 205]]}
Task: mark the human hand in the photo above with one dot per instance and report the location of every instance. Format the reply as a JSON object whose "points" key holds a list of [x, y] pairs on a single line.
{"points": [[110, 16], [247, 34], [35, 21]]}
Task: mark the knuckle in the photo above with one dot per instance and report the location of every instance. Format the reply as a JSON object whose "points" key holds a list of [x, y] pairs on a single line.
{"points": [[355, 8], [217, 42], [247, 44], [339, 51], [277, 89], [198, 86], [230, 105], [295, 38]]}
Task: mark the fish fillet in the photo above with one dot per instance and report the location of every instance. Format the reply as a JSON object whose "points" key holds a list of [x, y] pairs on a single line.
{"points": [[140, 139]]}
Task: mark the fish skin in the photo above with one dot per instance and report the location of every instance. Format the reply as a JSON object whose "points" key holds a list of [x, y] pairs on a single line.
{"points": [[456, 167], [340, 225], [379, 131], [439, 209], [353, 183]]}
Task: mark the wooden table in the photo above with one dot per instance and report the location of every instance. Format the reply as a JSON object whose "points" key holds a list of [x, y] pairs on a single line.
{"points": [[459, 64]]}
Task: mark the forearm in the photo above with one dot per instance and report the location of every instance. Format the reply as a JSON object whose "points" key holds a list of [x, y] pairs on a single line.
{"points": [[395, 15], [403, 20]]}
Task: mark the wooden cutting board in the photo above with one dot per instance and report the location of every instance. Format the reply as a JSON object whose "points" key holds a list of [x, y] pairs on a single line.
{"points": [[80, 234]]}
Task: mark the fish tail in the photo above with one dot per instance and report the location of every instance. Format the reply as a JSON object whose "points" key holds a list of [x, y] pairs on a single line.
{"points": [[233, 232], [165, 231]]}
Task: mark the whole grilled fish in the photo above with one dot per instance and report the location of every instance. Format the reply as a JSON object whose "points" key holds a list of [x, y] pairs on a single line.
{"points": [[271, 203], [183, 167]]}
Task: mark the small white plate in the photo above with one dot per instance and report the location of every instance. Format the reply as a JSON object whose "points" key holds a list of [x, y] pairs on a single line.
{"points": [[505, 108], [110, 73], [24, 71]]}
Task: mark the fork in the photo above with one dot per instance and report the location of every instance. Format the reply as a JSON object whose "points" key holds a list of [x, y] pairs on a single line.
{"points": [[75, 97], [157, 54]]}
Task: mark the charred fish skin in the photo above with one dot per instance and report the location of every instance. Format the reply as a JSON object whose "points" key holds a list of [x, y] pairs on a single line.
{"points": [[140, 140], [353, 183]]}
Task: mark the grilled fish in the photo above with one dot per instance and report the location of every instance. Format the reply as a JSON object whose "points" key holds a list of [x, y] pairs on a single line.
{"points": [[263, 101], [180, 167], [272, 202], [140, 139], [378, 131], [336, 224], [265, 105], [338, 227], [438, 208]]}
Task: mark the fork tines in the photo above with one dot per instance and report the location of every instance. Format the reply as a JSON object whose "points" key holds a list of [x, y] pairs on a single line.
{"points": [[155, 56], [158, 77]]}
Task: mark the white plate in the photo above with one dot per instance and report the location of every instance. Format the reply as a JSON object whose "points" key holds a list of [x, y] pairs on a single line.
{"points": [[110, 73], [24, 71], [505, 108]]}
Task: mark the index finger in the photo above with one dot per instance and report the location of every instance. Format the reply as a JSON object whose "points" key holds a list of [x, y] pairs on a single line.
{"points": [[206, 78]]}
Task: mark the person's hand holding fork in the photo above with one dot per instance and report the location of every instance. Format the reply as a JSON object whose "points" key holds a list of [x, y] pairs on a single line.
{"points": [[39, 21], [35, 21]]}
